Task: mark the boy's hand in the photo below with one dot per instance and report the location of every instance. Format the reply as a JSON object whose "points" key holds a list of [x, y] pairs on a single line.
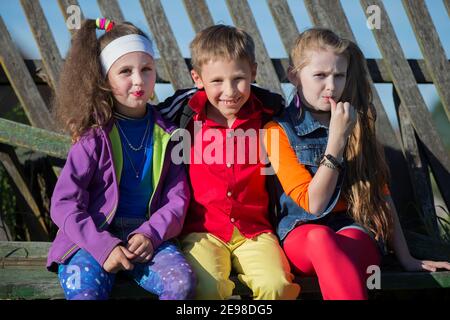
{"points": [[119, 259], [141, 247]]}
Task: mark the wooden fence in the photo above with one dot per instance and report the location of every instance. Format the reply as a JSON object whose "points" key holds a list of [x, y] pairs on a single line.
{"points": [[412, 156]]}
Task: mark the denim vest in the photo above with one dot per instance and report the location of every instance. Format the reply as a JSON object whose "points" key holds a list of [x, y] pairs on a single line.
{"points": [[309, 139]]}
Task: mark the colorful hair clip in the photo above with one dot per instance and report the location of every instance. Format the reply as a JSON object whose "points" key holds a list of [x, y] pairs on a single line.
{"points": [[104, 24]]}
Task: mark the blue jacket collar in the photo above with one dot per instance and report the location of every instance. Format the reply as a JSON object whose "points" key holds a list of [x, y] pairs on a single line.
{"points": [[302, 118]]}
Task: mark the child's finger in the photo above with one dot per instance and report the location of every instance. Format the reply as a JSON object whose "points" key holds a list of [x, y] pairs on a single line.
{"points": [[113, 270], [428, 267], [147, 258], [140, 250], [128, 254], [438, 264], [126, 264], [144, 257], [333, 104], [133, 245], [347, 110], [146, 254]]}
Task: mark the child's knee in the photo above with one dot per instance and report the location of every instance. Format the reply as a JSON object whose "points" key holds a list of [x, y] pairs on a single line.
{"points": [[209, 288], [179, 284], [275, 288], [185, 286]]}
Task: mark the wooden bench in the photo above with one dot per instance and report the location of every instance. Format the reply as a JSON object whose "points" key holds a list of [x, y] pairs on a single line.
{"points": [[23, 276]]}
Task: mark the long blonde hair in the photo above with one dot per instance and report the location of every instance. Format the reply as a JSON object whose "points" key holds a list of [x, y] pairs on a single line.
{"points": [[366, 172]]}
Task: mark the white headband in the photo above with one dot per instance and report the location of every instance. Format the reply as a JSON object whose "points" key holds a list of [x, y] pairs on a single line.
{"points": [[123, 45]]}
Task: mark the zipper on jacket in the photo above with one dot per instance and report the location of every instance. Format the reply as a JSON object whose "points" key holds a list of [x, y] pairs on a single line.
{"points": [[162, 168]]}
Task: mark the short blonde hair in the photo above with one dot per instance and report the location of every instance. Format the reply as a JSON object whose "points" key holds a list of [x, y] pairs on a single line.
{"points": [[221, 41]]}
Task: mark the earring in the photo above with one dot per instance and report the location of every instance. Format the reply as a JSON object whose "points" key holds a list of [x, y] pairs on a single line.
{"points": [[152, 97]]}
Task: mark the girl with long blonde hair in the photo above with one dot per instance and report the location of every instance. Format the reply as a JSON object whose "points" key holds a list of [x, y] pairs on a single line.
{"points": [[335, 212]]}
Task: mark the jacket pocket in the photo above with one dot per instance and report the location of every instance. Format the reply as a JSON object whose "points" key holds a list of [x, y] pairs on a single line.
{"points": [[310, 154]]}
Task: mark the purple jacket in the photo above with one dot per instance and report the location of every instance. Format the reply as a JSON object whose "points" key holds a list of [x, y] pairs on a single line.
{"points": [[86, 194]]}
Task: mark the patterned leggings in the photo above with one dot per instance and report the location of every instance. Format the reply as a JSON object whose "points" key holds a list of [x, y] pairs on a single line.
{"points": [[167, 275]]}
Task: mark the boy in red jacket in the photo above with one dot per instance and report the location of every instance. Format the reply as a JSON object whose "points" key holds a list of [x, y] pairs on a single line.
{"points": [[227, 225]]}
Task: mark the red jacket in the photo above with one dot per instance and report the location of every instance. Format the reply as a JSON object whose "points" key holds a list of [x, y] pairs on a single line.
{"points": [[230, 192]]}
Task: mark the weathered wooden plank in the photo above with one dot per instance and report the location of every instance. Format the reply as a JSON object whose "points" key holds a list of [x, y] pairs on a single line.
{"points": [[411, 97], [243, 17], [35, 283], [329, 14], [24, 276], [35, 68], [175, 65], [377, 69], [110, 9], [380, 74], [40, 140], [284, 20], [431, 48], [418, 169], [199, 14], [22, 82], [48, 49], [5, 233], [38, 283], [447, 6], [24, 249], [38, 229], [415, 280]]}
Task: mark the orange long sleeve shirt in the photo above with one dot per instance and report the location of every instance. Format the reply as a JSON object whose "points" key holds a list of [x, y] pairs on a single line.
{"points": [[293, 175]]}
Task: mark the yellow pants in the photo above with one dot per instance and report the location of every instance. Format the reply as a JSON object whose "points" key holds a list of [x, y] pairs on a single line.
{"points": [[260, 263]]}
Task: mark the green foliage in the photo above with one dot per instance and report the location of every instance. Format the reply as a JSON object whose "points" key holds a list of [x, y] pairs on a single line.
{"points": [[7, 202], [441, 121], [8, 198], [17, 114]]}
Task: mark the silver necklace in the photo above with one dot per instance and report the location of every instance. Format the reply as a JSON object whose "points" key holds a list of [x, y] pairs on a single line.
{"points": [[136, 172], [129, 143]]}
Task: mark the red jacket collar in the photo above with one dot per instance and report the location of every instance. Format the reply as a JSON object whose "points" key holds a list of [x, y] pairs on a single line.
{"points": [[250, 110]]}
